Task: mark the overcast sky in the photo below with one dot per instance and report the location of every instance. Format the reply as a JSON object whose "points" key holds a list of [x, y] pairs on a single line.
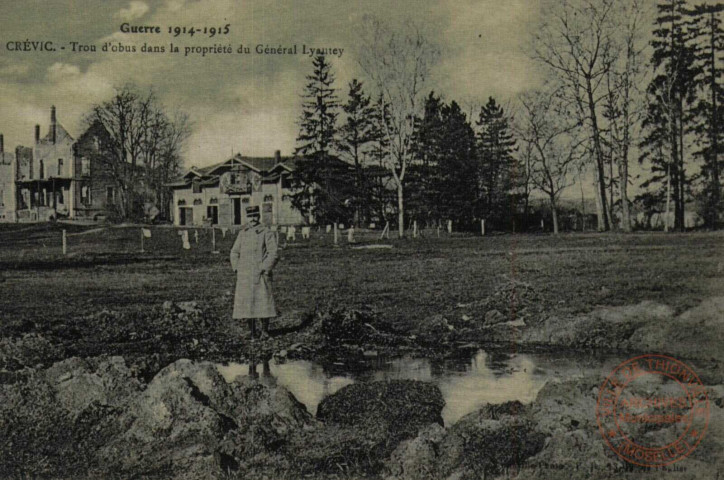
{"points": [[248, 104]]}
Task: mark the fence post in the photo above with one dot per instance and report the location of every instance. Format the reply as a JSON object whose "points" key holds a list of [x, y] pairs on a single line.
{"points": [[213, 240], [64, 243], [335, 232], [482, 226], [142, 235]]}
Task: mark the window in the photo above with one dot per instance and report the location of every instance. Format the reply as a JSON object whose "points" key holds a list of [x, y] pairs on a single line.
{"points": [[85, 166], [268, 198], [85, 195], [196, 186], [42, 169], [60, 167], [110, 195]]}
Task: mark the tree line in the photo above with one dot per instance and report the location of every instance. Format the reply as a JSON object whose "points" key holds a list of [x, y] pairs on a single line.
{"points": [[622, 84]]}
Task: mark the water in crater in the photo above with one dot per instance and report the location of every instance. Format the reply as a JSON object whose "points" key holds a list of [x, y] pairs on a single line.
{"points": [[465, 384]]}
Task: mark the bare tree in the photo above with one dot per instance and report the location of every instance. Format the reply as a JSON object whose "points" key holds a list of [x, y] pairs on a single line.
{"points": [[575, 41], [550, 137], [625, 103], [398, 63], [144, 147]]}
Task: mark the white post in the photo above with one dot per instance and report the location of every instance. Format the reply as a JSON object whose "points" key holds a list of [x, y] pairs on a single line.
{"points": [[64, 243], [335, 233], [350, 235], [482, 226], [213, 240], [449, 226], [438, 230], [196, 237], [141, 240], [414, 229], [542, 224]]}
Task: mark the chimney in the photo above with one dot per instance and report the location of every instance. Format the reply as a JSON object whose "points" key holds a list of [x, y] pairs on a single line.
{"points": [[2, 143], [53, 124], [37, 134], [278, 155]]}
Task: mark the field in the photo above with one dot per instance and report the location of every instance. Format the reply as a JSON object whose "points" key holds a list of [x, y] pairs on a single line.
{"points": [[417, 278], [91, 344]]}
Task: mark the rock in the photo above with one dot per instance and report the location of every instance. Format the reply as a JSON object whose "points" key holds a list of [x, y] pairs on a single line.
{"points": [[493, 317]]}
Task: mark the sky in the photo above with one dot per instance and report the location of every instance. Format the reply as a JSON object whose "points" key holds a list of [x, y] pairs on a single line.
{"points": [[240, 103]]}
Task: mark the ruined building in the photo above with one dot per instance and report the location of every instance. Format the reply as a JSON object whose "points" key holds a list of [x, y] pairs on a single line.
{"points": [[58, 177]]}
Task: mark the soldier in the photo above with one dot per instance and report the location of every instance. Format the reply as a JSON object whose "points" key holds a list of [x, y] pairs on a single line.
{"points": [[253, 257]]}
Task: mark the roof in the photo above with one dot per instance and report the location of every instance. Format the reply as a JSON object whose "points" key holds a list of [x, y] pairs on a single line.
{"points": [[209, 175]]}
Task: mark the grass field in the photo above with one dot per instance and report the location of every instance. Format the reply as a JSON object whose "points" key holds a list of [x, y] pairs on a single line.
{"points": [[104, 269]]}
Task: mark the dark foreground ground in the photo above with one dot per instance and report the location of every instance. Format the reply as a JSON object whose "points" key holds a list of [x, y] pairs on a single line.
{"points": [[115, 320]]}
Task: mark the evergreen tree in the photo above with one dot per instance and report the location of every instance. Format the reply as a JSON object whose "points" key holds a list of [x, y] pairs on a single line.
{"points": [[496, 148], [355, 138], [458, 166], [670, 94], [708, 37], [322, 182], [424, 172]]}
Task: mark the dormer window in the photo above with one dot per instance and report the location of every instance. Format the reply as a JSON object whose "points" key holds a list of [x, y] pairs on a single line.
{"points": [[60, 167], [196, 185]]}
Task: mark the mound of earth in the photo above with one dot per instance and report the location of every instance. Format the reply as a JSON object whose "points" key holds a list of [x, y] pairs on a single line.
{"points": [[480, 445], [648, 326], [190, 423]]}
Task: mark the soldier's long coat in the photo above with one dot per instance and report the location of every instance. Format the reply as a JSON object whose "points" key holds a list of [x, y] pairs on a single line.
{"points": [[254, 252]]}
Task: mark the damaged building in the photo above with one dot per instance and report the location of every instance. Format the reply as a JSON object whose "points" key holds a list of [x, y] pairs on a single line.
{"points": [[59, 177]]}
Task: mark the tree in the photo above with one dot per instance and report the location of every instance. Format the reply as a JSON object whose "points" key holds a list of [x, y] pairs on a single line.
{"points": [[575, 41], [708, 39], [322, 182], [424, 176], [355, 138], [624, 99], [552, 139], [496, 149], [670, 93], [143, 148], [398, 62]]}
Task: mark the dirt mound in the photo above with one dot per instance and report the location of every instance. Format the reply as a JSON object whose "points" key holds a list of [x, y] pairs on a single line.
{"points": [[648, 326], [189, 423], [341, 324], [30, 350], [50, 416], [480, 444], [363, 423]]}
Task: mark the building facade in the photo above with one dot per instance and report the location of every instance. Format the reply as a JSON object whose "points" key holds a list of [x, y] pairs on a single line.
{"points": [[219, 194], [58, 177]]}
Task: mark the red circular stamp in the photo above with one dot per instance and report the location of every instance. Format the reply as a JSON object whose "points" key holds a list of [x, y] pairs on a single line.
{"points": [[652, 410]]}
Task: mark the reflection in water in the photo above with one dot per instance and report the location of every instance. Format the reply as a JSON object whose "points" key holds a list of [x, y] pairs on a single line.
{"points": [[465, 386]]}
